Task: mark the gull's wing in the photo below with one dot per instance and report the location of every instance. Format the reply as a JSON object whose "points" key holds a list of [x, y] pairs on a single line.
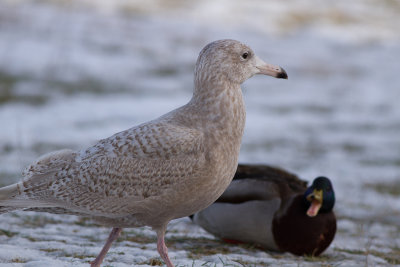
{"points": [[110, 177]]}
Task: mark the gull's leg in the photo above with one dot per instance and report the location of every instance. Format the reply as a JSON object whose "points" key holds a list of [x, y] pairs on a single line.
{"points": [[162, 248], [113, 235]]}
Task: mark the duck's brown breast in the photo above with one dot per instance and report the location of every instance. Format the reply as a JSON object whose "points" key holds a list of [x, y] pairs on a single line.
{"points": [[297, 233]]}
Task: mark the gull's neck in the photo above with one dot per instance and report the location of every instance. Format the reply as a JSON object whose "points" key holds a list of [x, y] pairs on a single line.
{"points": [[218, 104], [217, 109]]}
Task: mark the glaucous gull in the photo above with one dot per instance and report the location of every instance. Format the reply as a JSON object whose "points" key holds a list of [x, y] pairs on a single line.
{"points": [[160, 170]]}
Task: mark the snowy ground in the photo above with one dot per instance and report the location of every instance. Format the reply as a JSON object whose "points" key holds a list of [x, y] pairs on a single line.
{"points": [[72, 72]]}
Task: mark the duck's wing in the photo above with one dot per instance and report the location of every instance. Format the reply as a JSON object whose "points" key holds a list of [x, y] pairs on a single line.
{"points": [[261, 182], [271, 174], [244, 190]]}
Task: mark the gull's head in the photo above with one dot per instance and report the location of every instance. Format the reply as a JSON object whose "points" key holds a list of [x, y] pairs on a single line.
{"points": [[232, 61]]}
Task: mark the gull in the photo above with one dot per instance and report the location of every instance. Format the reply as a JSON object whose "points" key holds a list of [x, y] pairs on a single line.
{"points": [[152, 173]]}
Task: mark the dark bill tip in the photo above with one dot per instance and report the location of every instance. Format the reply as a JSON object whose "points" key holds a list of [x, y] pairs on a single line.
{"points": [[282, 74]]}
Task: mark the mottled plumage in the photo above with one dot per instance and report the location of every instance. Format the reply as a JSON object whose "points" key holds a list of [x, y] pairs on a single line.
{"points": [[160, 170], [270, 207]]}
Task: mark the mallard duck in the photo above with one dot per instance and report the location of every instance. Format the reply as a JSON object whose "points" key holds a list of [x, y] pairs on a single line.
{"points": [[273, 209]]}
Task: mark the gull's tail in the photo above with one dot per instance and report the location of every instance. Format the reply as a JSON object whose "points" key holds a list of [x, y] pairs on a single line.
{"points": [[28, 194], [7, 193], [13, 197]]}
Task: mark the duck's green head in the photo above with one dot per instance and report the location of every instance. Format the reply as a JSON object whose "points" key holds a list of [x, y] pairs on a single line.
{"points": [[320, 196]]}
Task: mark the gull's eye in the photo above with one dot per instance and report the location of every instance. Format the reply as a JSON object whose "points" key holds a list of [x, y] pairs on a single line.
{"points": [[245, 55]]}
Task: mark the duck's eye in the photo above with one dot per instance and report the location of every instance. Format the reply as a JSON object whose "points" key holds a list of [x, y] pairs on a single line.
{"points": [[245, 55]]}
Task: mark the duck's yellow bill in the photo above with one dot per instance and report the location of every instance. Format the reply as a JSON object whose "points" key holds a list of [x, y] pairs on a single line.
{"points": [[314, 208]]}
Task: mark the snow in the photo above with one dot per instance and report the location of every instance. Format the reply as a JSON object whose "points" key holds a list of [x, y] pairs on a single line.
{"points": [[73, 72]]}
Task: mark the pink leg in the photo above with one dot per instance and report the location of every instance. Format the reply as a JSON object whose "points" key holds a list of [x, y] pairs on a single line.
{"points": [[113, 235], [162, 248]]}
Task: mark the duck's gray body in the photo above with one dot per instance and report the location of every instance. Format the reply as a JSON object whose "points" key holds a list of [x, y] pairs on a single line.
{"points": [[249, 221], [246, 210]]}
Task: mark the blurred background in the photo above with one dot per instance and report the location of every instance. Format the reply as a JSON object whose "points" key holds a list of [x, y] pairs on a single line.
{"points": [[73, 72]]}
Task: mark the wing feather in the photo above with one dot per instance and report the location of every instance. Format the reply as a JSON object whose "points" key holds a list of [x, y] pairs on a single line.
{"points": [[118, 173]]}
